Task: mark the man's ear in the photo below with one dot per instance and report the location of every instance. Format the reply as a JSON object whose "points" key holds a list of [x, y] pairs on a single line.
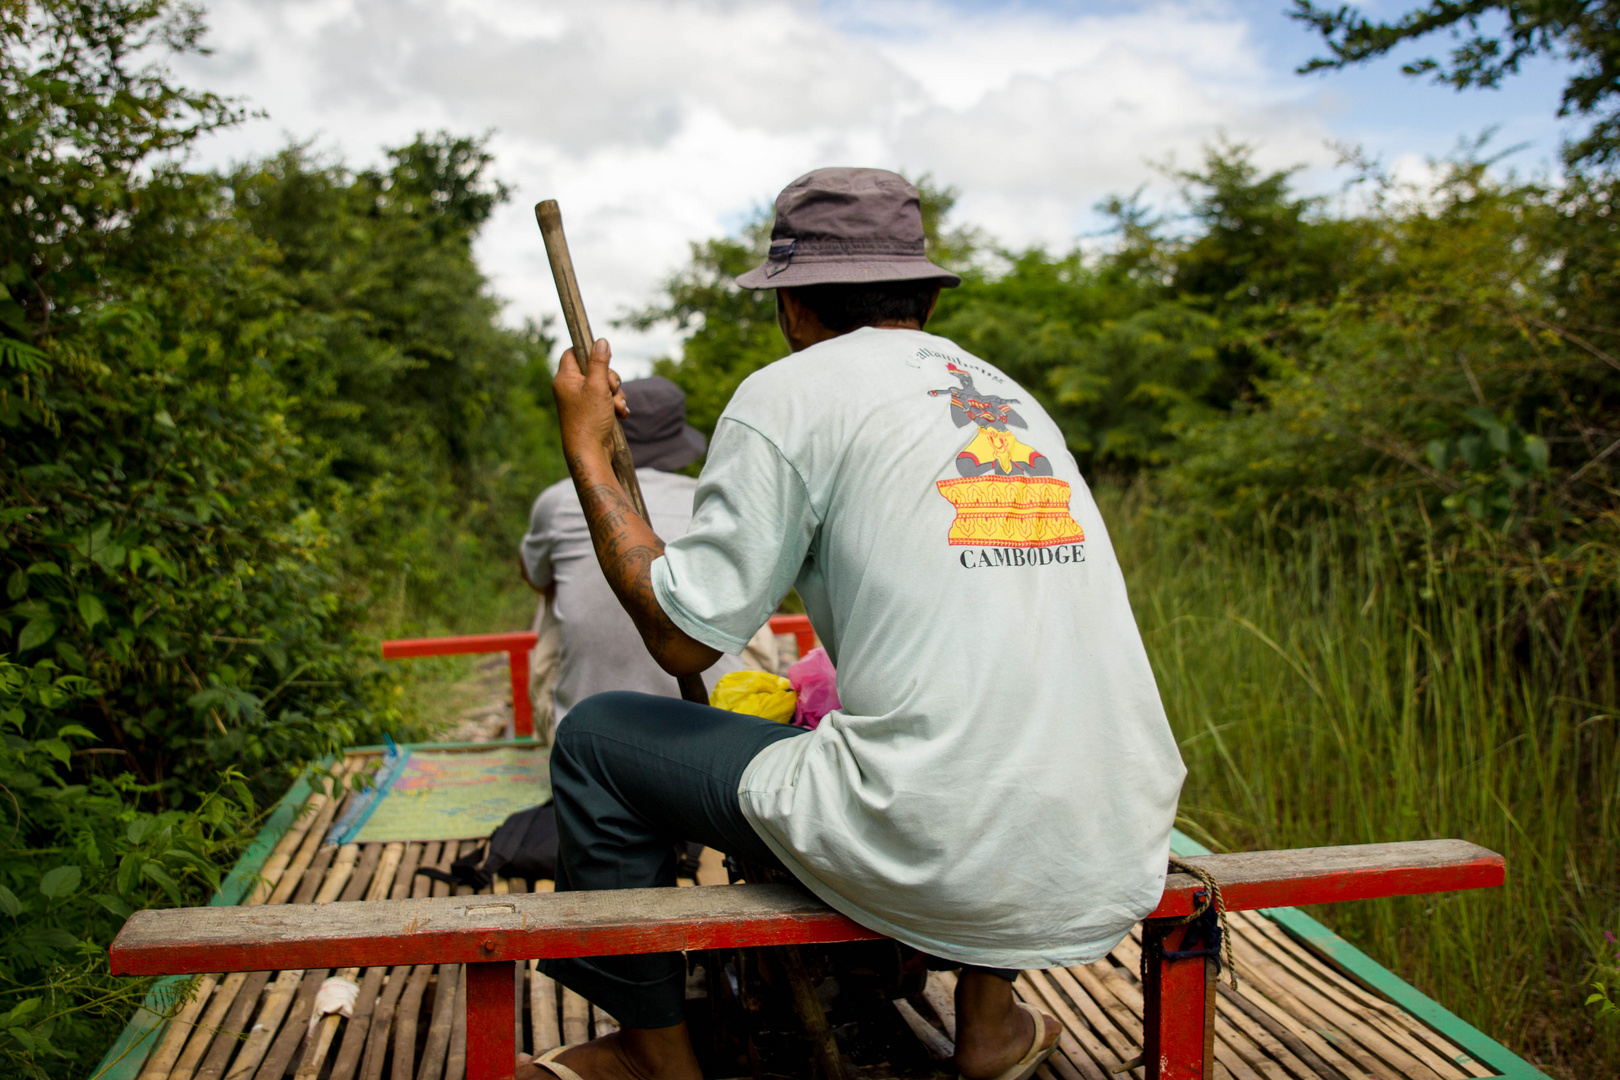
{"points": [[798, 322]]}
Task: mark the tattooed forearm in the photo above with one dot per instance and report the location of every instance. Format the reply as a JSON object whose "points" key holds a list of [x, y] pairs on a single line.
{"points": [[626, 547]]}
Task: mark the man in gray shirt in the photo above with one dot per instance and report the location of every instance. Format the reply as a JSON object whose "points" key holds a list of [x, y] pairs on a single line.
{"points": [[588, 644]]}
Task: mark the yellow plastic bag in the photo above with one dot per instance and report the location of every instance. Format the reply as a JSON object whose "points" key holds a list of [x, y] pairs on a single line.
{"points": [[757, 693]]}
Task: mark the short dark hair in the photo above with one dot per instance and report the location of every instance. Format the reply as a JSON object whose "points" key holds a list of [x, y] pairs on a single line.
{"points": [[842, 308]]}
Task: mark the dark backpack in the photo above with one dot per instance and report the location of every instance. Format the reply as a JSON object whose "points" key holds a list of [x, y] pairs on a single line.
{"points": [[524, 846]]}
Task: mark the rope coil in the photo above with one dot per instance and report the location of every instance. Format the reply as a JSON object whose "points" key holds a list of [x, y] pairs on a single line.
{"points": [[1212, 895]]}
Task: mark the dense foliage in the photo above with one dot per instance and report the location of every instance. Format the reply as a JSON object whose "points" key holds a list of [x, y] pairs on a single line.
{"points": [[240, 416]]}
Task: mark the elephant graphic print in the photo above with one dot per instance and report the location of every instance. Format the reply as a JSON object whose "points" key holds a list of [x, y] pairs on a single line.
{"points": [[1005, 495]]}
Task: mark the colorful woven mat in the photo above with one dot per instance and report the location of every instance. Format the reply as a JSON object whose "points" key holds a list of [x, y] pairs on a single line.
{"points": [[453, 794]]}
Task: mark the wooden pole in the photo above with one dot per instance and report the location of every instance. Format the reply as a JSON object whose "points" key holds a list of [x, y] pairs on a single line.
{"points": [[549, 215]]}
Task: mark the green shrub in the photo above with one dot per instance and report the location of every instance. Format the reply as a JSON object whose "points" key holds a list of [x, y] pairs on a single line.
{"points": [[243, 422]]}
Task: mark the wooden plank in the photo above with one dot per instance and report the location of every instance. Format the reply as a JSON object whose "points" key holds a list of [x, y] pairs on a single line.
{"points": [[354, 1035], [226, 1039], [705, 917], [405, 1021], [324, 1033], [465, 644], [515, 926], [404, 890], [1315, 1038], [409, 861], [313, 839], [382, 1024], [601, 1023], [543, 1010], [360, 876], [291, 1033], [1438, 1052], [180, 1028], [576, 1014], [1077, 1042], [462, 930], [315, 1055], [332, 885], [318, 807], [936, 1044], [1322, 1037], [1289, 1049], [276, 1002], [1107, 1052], [940, 993], [382, 879], [440, 1023], [310, 883], [455, 1063], [1478, 1049], [1059, 1067], [203, 1036], [1303, 994], [1325, 875], [1084, 980], [1338, 990]]}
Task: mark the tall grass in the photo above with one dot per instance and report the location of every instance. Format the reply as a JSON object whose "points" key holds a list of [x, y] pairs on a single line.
{"points": [[1328, 687]]}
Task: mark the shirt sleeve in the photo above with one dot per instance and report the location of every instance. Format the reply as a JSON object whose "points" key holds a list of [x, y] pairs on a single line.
{"points": [[539, 542], [752, 525]]}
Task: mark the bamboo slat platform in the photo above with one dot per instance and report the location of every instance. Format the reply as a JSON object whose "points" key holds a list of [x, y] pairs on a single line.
{"points": [[1296, 1014]]}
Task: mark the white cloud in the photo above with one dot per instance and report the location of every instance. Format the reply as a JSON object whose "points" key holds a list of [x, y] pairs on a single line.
{"points": [[660, 122]]}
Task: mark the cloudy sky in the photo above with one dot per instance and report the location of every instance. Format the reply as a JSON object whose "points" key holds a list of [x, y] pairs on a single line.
{"points": [[659, 123]]}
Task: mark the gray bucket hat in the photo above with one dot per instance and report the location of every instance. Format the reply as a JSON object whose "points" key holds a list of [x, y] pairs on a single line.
{"points": [[846, 226], [656, 429]]}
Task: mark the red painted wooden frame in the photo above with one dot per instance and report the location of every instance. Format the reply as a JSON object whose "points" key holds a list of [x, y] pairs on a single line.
{"points": [[516, 646], [489, 933], [797, 625]]}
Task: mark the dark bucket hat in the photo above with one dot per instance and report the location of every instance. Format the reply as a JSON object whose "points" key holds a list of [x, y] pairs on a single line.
{"points": [[846, 226], [656, 429]]}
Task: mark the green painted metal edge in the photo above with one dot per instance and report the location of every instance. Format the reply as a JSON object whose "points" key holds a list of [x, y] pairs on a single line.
{"points": [[123, 1060], [1375, 976]]}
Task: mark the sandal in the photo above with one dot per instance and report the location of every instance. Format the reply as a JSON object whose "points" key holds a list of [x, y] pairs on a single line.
{"points": [[1026, 1066], [548, 1060]]}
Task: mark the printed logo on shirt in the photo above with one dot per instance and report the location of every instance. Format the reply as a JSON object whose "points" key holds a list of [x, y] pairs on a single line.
{"points": [[1006, 495]]}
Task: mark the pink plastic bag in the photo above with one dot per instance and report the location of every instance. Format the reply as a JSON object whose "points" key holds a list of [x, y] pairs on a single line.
{"points": [[816, 683]]}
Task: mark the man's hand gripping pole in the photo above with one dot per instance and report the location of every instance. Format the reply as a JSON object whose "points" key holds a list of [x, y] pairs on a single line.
{"points": [[579, 333]]}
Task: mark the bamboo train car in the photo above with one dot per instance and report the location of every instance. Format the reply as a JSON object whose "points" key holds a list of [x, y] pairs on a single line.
{"points": [[1308, 1005]]}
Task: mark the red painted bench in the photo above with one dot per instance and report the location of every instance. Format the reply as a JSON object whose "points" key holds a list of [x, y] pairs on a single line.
{"points": [[517, 647], [489, 933]]}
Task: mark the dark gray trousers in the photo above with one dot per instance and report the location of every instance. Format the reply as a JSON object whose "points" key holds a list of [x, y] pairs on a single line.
{"points": [[632, 775]]}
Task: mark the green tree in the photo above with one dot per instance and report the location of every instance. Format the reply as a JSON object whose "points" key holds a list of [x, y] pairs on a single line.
{"points": [[1492, 39], [431, 416], [229, 408]]}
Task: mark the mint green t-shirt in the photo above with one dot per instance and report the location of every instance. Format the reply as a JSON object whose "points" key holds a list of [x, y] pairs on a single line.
{"points": [[999, 785]]}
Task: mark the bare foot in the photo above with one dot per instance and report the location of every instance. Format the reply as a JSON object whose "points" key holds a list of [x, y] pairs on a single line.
{"points": [[627, 1054], [992, 1033]]}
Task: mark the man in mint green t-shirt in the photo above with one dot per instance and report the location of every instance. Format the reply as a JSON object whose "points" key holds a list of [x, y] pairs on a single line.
{"points": [[998, 786]]}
